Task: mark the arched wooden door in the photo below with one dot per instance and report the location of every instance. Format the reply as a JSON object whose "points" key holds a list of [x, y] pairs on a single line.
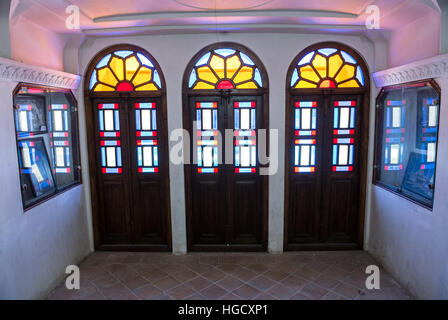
{"points": [[225, 87], [128, 150], [327, 116]]}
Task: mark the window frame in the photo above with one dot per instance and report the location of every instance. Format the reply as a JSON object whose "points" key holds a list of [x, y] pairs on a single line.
{"points": [[76, 154], [378, 143]]}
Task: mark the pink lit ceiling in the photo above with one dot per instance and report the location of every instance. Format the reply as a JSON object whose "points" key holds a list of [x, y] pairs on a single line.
{"points": [[103, 17]]}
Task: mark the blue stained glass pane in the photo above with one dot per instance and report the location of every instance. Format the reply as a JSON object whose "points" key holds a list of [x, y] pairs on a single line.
{"points": [[246, 59], [335, 154], [313, 155], [313, 119], [144, 60], [257, 77], [359, 75], [137, 119], [193, 78], [215, 119], [327, 51], [154, 120], [117, 121], [294, 78], [348, 58], [92, 80], [237, 156], [386, 155], [118, 156], [253, 156], [225, 52], [403, 112], [155, 156], [388, 117], [139, 156], [401, 153], [237, 119], [306, 59], [123, 53], [157, 79], [297, 118], [199, 156], [103, 62], [65, 120], [351, 154], [215, 157], [198, 119], [67, 157], [103, 156], [336, 118], [425, 116], [296, 155], [101, 116], [352, 117], [203, 60], [253, 120]]}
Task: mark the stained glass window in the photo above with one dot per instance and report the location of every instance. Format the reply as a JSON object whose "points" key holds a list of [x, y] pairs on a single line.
{"points": [[109, 131], [225, 69], [406, 148], [305, 124], [125, 70], [343, 134], [327, 68], [207, 132], [245, 126], [146, 126], [48, 151]]}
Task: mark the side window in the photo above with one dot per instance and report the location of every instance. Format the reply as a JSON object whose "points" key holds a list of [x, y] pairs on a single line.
{"points": [[47, 142], [406, 143]]}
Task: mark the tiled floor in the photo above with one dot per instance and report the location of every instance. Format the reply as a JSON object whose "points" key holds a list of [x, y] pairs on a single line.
{"points": [[298, 276]]}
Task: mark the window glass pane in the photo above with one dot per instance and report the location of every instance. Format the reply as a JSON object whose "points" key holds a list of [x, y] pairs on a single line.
{"points": [[306, 118], [245, 156], [245, 122], [206, 119], [109, 120], [146, 119], [147, 156], [407, 145], [344, 118], [111, 157], [59, 151], [343, 155], [207, 156], [305, 155]]}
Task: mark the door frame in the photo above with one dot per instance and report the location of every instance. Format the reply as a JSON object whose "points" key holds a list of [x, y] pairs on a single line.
{"points": [[89, 97], [364, 92], [187, 93]]}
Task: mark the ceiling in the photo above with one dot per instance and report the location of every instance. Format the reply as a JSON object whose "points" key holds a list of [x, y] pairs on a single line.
{"points": [[107, 17]]}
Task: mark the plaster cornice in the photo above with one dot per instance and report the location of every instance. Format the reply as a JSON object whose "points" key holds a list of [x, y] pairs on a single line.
{"points": [[11, 70], [435, 67]]}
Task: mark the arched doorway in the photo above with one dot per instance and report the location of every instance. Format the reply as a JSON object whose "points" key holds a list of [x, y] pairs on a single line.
{"points": [[225, 86], [128, 152], [327, 129]]}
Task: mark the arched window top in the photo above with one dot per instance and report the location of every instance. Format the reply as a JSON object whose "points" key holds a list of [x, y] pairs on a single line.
{"points": [[327, 67], [125, 70], [225, 68]]}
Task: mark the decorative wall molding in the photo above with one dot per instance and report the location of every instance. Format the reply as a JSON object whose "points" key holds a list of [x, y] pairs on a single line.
{"points": [[11, 70], [435, 67]]}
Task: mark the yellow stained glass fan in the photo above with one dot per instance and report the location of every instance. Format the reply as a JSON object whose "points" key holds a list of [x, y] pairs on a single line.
{"points": [[327, 68], [225, 69], [125, 70]]}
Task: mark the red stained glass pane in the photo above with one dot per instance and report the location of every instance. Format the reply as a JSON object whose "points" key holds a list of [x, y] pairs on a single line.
{"points": [[327, 84], [225, 84], [125, 86]]}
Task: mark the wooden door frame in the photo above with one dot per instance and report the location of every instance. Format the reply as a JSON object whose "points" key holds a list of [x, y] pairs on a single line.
{"points": [[187, 93], [364, 92], [91, 148]]}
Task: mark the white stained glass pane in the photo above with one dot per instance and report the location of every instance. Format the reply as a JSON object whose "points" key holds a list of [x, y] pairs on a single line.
{"points": [[111, 157], [432, 121], [431, 152], [57, 115], [343, 155], [245, 119], [207, 156], [305, 155], [147, 156], [245, 156], [23, 121], [306, 118], [26, 160], [206, 119], [344, 118], [394, 153], [146, 119], [59, 152], [396, 117], [37, 173], [109, 120]]}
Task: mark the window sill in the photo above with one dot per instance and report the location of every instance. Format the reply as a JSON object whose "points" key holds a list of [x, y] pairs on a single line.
{"points": [[398, 193], [50, 196]]}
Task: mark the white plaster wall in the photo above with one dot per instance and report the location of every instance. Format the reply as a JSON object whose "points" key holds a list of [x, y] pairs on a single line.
{"points": [[35, 246], [173, 52], [410, 241]]}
